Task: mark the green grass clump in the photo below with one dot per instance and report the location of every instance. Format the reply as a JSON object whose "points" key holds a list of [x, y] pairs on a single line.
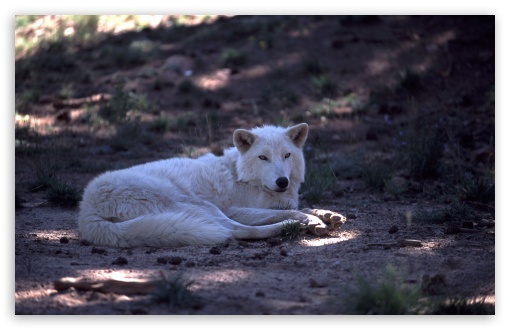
{"points": [[117, 108], [292, 230], [319, 176], [63, 194], [324, 86], [389, 297], [175, 292], [232, 58], [477, 189], [376, 175], [455, 212]]}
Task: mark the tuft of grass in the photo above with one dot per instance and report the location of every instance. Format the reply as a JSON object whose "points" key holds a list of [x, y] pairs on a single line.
{"points": [[232, 58], [312, 65], [389, 297], [175, 292], [410, 80], [319, 176], [63, 194], [279, 95], [422, 151], [455, 212], [187, 87], [117, 108], [292, 230], [476, 189], [376, 175], [324, 85]]}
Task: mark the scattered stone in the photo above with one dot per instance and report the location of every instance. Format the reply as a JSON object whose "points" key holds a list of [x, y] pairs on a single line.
{"points": [[99, 251], [318, 283], [215, 250], [64, 240], [284, 253], [174, 260], [260, 294], [409, 242], [393, 229], [190, 264], [274, 241], [452, 230], [162, 260], [120, 261]]}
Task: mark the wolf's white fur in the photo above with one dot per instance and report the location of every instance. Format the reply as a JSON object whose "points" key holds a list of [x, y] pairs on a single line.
{"points": [[208, 200]]}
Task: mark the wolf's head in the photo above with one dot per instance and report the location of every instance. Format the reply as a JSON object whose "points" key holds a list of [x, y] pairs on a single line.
{"points": [[272, 156]]}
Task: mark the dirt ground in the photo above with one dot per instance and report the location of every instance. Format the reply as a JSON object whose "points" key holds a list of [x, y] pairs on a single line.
{"points": [[450, 68]]}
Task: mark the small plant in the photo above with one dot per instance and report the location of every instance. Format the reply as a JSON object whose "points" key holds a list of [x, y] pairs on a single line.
{"points": [[313, 66], [117, 108], [476, 189], [160, 124], [186, 87], [232, 58], [66, 91], [279, 95], [63, 194], [324, 85], [455, 212], [292, 230], [410, 80], [319, 175], [175, 292], [377, 174], [389, 297], [422, 151]]}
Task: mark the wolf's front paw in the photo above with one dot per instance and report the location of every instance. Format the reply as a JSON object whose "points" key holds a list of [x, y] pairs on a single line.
{"points": [[332, 219]]}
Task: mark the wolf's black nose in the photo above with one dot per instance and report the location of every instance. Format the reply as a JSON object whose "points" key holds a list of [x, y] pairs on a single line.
{"points": [[282, 182]]}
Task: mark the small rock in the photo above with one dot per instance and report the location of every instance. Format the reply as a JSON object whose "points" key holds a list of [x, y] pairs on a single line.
{"points": [[215, 250], [99, 251], [64, 240], [274, 241], [409, 242], [393, 229], [260, 294], [174, 260], [162, 260], [452, 230], [318, 283], [120, 261], [190, 264], [284, 253]]}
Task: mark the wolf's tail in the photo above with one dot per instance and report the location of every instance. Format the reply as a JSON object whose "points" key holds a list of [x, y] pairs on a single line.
{"points": [[161, 229]]}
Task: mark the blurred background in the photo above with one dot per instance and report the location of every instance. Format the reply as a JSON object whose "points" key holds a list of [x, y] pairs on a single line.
{"points": [[400, 107]]}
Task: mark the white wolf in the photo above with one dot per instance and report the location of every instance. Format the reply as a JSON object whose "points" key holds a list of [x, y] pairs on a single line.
{"points": [[208, 200]]}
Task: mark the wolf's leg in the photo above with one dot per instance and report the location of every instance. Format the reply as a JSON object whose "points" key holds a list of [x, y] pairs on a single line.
{"points": [[256, 217], [332, 219]]}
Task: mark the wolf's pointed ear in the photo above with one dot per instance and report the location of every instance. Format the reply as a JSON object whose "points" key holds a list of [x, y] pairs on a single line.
{"points": [[243, 139], [298, 134]]}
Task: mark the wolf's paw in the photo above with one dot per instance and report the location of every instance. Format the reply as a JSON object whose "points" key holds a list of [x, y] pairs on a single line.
{"points": [[330, 220]]}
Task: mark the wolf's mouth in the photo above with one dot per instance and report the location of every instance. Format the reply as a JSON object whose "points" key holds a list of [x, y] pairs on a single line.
{"points": [[278, 190]]}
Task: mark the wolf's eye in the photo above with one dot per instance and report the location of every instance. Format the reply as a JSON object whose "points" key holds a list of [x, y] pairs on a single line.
{"points": [[263, 157], [287, 155]]}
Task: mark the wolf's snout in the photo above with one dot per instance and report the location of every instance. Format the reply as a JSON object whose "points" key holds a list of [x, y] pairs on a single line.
{"points": [[282, 182]]}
